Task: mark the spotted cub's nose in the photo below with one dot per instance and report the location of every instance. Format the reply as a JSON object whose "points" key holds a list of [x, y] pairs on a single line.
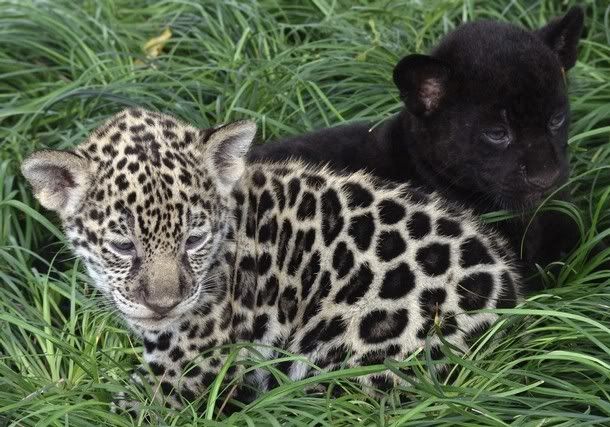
{"points": [[160, 304], [161, 310]]}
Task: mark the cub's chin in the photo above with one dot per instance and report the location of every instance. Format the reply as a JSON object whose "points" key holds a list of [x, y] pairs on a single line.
{"points": [[153, 323], [521, 203]]}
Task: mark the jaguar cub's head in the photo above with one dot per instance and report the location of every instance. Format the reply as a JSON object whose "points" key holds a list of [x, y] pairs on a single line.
{"points": [[489, 108], [144, 203]]}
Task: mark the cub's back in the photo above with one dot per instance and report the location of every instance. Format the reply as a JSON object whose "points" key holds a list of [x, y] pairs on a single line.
{"points": [[347, 245]]}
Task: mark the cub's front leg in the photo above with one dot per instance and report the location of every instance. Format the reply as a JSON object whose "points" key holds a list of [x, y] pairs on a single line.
{"points": [[142, 382]]}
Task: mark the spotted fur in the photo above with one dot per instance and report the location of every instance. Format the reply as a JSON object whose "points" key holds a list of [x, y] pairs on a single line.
{"points": [[342, 269]]}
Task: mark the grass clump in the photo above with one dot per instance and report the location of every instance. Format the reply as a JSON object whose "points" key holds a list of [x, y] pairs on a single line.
{"points": [[292, 67]]}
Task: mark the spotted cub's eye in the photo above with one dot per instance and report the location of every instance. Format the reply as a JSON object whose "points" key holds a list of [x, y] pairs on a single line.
{"points": [[497, 136], [557, 120], [194, 240], [123, 247]]}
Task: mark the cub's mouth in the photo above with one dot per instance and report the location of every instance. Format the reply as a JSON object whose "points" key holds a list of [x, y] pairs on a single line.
{"points": [[155, 321], [521, 202]]}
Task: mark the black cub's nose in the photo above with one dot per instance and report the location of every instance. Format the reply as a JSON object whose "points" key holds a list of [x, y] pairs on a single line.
{"points": [[544, 180]]}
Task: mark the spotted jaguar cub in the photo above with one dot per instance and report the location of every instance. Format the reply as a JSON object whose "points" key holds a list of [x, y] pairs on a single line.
{"points": [[196, 250]]}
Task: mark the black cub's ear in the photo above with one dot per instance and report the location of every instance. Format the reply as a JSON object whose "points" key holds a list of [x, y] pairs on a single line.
{"points": [[562, 35], [422, 81]]}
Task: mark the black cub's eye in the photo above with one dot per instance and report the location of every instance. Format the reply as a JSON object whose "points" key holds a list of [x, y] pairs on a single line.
{"points": [[497, 136], [124, 247], [194, 240], [557, 120]]}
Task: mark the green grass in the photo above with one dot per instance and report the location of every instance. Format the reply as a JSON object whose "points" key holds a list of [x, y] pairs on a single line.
{"points": [[292, 66]]}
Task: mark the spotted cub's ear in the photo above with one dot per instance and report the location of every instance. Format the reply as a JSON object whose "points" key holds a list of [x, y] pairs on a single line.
{"points": [[59, 179], [225, 152], [422, 81], [562, 36]]}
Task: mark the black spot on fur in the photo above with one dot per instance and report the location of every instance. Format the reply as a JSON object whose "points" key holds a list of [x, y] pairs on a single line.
{"points": [[187, 394], [193, 332], [164, 340], [448, 227], [131, 198], [389, 245], [156, 368], [382, 382], [137, 128], [169, 180], [315, 182], [278, 190], [297, 253], [307, 207], [207, 329], [247, 263], [474, 291], [390, 212], [332, 219], [358, 196], [381, 325], [343, 260], [362, 230], [436, 353], [357, 286], [473, 253], [310, 238], [260, 326], [264, 263], [294, 187], [333, 356], [176, 354], [431, 300], [248, 298], [448, 324], [270, 292], [133, 167], [324, 331], [284, 241], [265, 204], [251, 218], [258, 179], [268, 231], [239, 197], [288, 305], [434, 258], [309, 274], [167, 388], [191, 371], [115, 137], [149, 346], [418, 225], [377, 357], [397, 282], [333, 328], [121, 182], [168, 163]]}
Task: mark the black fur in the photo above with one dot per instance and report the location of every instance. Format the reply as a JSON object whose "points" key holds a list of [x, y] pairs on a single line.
{"points": [[485, 123]]}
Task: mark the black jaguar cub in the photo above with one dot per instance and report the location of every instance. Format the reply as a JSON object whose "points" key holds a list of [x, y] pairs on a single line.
{"points": [[485, 123]]}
